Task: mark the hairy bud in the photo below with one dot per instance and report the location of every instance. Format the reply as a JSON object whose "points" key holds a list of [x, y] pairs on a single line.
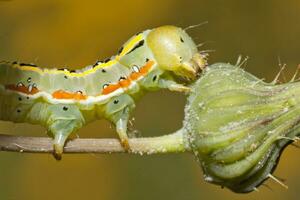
{"points": [[237, 125]]}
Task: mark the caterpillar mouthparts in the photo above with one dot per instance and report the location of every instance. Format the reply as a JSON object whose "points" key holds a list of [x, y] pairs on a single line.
{"points": [[200, 61], [191, 69], [237, 125]]}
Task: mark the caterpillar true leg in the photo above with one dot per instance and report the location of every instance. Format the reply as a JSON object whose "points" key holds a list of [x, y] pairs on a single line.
{"points": [[158, 80], [172, 85]]}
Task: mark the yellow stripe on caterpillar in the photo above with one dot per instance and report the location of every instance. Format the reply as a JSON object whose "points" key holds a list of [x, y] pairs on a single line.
{"points": [[130, 45], [67, 73]]}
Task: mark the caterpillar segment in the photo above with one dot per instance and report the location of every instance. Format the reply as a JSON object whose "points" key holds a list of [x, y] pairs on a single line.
{"points": [[63, 101]]}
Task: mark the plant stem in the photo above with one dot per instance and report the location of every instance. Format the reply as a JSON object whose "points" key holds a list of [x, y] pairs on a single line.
{"points": [[172, 143]]}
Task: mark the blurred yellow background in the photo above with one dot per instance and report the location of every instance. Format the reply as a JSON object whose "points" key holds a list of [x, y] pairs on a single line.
{"points": [[56, 33]]}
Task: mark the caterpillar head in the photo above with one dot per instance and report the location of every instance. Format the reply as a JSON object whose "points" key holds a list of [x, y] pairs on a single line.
{"points": [[175, 51]]}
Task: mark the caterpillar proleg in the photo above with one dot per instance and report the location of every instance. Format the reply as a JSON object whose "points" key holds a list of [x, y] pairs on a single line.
{"points": [[63, 101]]}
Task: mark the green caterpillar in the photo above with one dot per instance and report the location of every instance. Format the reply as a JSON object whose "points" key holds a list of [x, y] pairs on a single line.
{"points": [[63, 101]]}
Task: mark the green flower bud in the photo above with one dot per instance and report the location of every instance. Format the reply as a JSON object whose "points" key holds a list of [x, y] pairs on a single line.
{"points": [[237, 125]]}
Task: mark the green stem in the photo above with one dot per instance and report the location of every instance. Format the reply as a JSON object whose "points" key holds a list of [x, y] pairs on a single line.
{"points": [[172, 143]]}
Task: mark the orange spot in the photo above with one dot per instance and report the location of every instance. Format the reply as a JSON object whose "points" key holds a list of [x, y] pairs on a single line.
{"points": [[135, 75], [111, 88], [60, 94], [145, 69], [124, 83], [22, 89], [33, 91]]}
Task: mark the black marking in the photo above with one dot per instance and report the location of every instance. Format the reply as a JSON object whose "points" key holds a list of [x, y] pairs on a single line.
{"points": [[72, 71], [20, 84], [65, 76], [105, 85], [26, 64], [18, 111], [29, 79], [154, 78], [63, 69], [138, 45], [147, 59], [116, 101], [79, 92], [27, 97], [15, 62], [138, 33], [120, 50], [122, 78], [20, 98], [94, 65], [107, 60], [103, 70], [65, 108], [181, 40]]}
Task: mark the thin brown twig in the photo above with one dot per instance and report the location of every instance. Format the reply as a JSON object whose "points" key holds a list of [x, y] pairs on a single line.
{"points": [[163, 144]]}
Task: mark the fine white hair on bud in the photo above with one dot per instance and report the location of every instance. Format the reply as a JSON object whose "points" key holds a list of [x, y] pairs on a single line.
{"points": [[237, 125]]}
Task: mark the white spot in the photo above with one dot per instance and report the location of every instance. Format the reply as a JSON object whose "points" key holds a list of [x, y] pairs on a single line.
{"points": [[30, 88], [20, 84], [105, 86], [135, 68]]}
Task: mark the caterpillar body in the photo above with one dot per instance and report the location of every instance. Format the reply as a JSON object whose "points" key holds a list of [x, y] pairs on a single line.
{"points": [[63, 101]]}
